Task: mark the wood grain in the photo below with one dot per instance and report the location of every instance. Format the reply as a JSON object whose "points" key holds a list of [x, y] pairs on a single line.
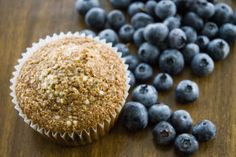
{"points": [[25, 21]]}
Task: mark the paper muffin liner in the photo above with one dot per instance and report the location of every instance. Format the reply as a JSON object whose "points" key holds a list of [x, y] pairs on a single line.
{"points": [[81, 137]]}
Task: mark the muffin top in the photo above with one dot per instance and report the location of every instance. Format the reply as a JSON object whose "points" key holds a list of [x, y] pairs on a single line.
{"points": [[71, 84]]}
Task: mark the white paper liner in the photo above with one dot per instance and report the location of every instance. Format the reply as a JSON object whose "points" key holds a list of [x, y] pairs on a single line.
{"points": [[74, 138]]}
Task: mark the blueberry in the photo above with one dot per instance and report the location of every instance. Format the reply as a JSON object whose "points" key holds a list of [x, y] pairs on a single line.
{"points": [[150, 7], [171, 61], [109, 35], [228, 32], [140, 20], [172, 22], [123, 49], [204, 131], [187, 91], [96, 18], [163, 133], [163, 82], [148, 53], [155, 33], [210, 30], [120, 4], [145, 94], [190, 51], [116, 19], [165, 9], [136, 7], [205, 9], [134, 116], [83, 6], [193, 20], [138, 37], [202, 41], [186, 144], [159, 112], [126, 33], [143, 72], [223, 12], [177, 38], [202, 64], [132, 79], [88, 32], [218, 49], [182, 121], [132, 61], [191, 34], [233, 18]]}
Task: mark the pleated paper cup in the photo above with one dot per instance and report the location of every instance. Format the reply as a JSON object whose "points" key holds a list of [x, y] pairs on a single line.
{"points": [[78, 137]]}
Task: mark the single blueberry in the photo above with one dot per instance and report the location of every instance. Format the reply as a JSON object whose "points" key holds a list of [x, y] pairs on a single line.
{"points": [[171, 61], [177, 38], [138, 37], [140, 20], [182, 121], [218, 49], [191, 34], [202, 64], [233, 18], [193, 20], [143, 72], [190, 51], [132, 79], [204, 131], [159, 112], [150, 7], [210, 30], [126, 33], [134, 116], [83, 6], [145, 94], [205, 9], [163, 82], [186, 144], [172, 22], [109, 35], [132, 61], [96, 18], [120, 4], [228, 32], [148, 53], [116, 19], [202, 41], [123, 49], [163, 133], [165, 9], [88, 32], [136, 7], [223, 12]]}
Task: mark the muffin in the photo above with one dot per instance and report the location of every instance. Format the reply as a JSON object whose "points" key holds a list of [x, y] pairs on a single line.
{"points": [[70, 87]]}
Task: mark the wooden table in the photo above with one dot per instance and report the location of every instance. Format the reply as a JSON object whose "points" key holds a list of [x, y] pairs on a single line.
{"points": [[25, 21]]}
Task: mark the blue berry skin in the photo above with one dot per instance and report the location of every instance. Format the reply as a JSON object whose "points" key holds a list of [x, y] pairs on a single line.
{"points": [[205, 9], [136, 7], [171, 61], [228, 32], [150, 7], [223, 12], [163, 133], [233, 18], [134, 116], [126, 33], [132, 79], [165, 9], [148, 53], [210, 30], [120, 4], [132, 61], [123, 49], [159, 112], [109, 35], [202, 41], [172, 22], [138, 37], [88, 32], [143, 72], [156, 32], [140, 20], [163, 82], [202, 64], [190, 33], [177, 38], [187, 91], [193, 20], [186, 144], [83, 6], [218, 49], [116, 19], [190, 51], [96, 18], [181, 121], [145, 94], [204, 131]]}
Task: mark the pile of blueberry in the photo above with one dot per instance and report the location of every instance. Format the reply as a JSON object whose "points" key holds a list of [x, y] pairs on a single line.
{"points": [[168, 34]]}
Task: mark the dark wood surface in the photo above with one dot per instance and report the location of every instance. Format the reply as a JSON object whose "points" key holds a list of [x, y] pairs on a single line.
{"points": [[25, 21]]}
